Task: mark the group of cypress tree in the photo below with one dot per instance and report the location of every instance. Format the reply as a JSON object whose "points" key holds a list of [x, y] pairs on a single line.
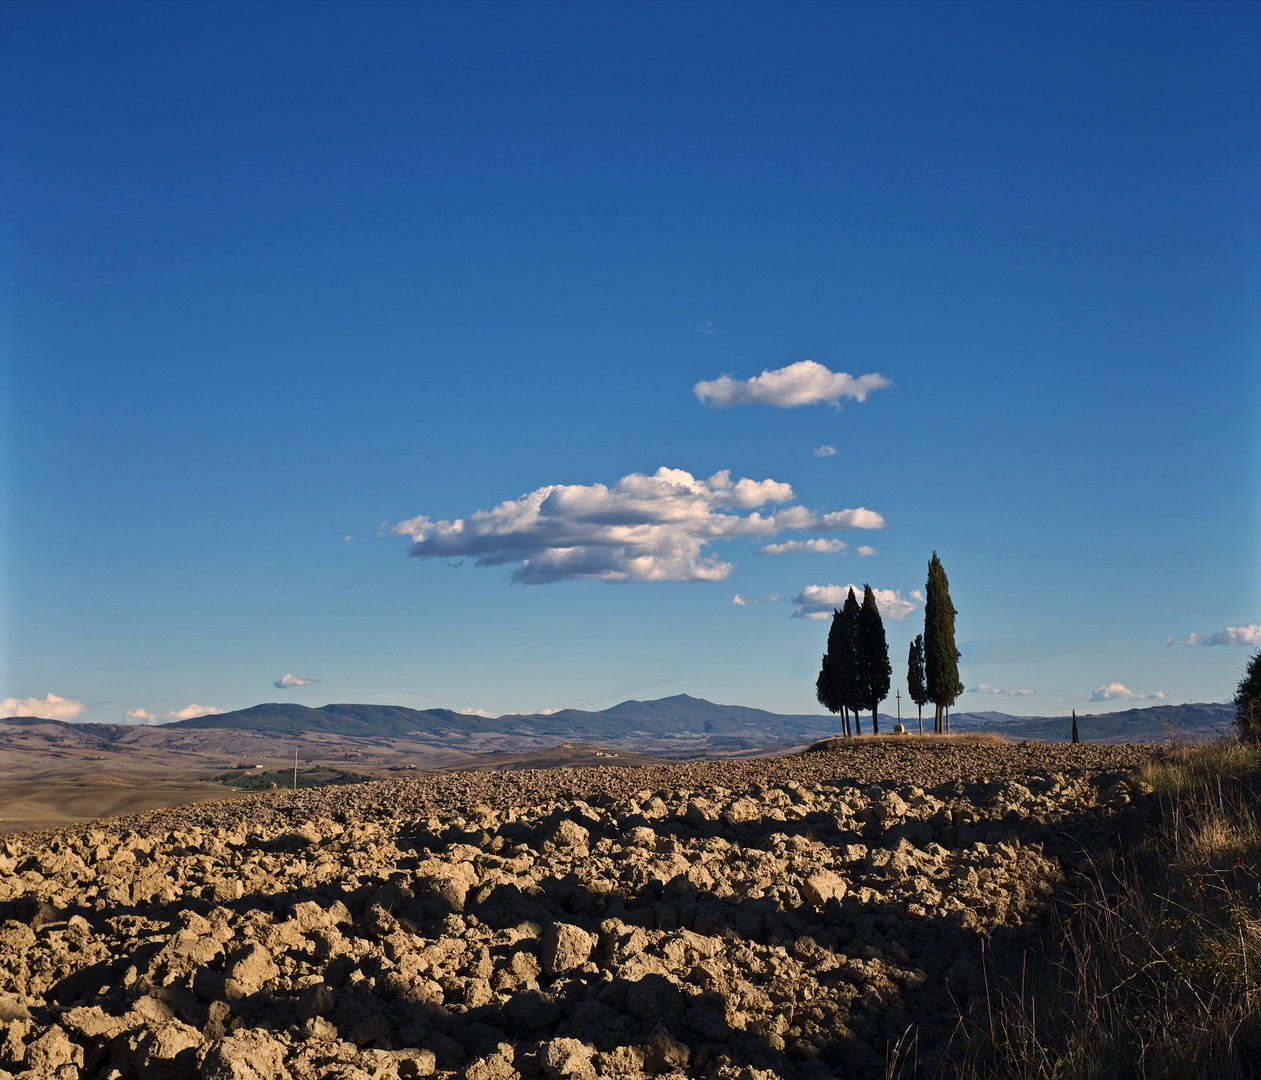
{"points": [[855, 672]]}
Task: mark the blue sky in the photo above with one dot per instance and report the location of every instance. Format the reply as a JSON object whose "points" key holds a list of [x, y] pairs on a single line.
{"points": [[275, 279]]}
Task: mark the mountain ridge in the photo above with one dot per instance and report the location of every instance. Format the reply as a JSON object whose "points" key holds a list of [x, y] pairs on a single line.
{"points": [[682, 714], [679, 717]]}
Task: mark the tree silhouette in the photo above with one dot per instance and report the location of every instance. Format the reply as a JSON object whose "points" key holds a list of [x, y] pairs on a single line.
{"points": [[826, 687], [1248, 700], [846, 661], [874, 669], [915, 678], [941, 657]]}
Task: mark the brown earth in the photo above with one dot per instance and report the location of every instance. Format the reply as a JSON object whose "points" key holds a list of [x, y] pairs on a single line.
{"points": [[802, 916], [29, 807], [54, 774]]}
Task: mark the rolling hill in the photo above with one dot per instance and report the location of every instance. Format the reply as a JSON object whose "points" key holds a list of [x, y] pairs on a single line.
{"points": [[689, 719]]}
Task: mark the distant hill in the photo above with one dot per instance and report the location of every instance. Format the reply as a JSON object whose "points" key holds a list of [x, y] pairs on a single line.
{"points": [[683, 716], [675, 726], [1205, 720]]}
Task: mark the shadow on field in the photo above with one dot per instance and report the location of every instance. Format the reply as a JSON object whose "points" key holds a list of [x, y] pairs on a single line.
{"points": [[895, 988]]}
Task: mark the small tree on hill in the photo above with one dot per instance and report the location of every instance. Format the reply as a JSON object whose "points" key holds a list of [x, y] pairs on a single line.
{"points": [[1076, 737], [1248, 700], [846, 671], [941, 657], [874, 669], [915, 678]]}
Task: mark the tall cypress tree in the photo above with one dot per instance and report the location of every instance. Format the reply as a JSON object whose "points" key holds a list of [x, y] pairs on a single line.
{"points": [[941, 657], [846, 660], [1076, 738], [915, 678], [825, 686], [874, 669]]}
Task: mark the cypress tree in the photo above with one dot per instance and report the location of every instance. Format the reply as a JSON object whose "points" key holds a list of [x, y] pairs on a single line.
{"points": [[1075, 736], [941, 657], [915, 678], [874, 669], [825, 686], [846, 671]]}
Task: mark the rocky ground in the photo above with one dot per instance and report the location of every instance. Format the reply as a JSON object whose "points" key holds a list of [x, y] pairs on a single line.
{"points": [[799, 916]]}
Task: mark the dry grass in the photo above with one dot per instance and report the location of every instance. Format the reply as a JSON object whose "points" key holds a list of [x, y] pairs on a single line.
{"points": [[1153, 969]]}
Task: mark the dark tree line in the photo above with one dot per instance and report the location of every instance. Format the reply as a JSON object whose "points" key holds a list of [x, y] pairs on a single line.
{"points": [[855, 673], [1248, 700]]}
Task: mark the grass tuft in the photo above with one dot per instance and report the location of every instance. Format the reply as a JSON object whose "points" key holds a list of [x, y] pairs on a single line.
{"points": [[1153, 968]]}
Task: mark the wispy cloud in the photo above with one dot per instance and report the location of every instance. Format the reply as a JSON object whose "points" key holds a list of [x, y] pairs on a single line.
{"points": [[49, 707], [818, 546], [1232, 635], [287, 681], [1119, 692], [817, 601], [706, 327], [189, 712], [866, 551], [642, 528], [769, 598], [824, 451], [478, 712], [803, 383], [985, 688]]}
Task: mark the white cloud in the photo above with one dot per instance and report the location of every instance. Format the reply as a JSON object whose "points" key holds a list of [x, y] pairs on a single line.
{"points": [[818, 545], [1232, 635], [1117, 692], [984, 688], [189, 712], [917, 595], [803, 383], [817, 601], [50, 707], [139, 716], [706, 327], [478, 712], [769, 598], [286, 681], [865, 551], [824, 451], [643, 528]]}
